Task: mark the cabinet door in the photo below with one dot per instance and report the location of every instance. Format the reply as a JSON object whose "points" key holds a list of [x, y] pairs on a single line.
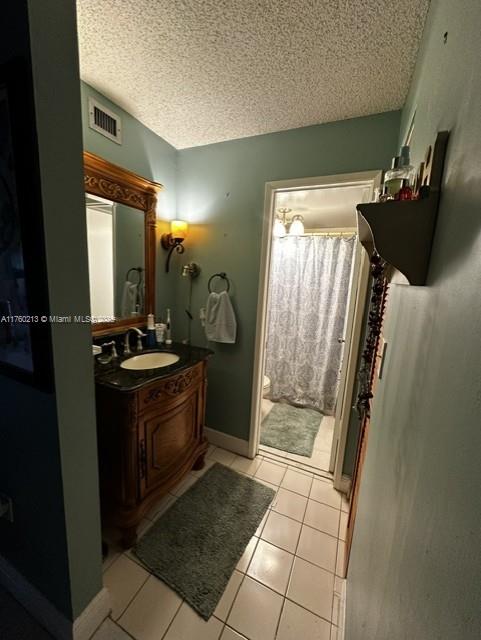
{"points": [[170, 438]]}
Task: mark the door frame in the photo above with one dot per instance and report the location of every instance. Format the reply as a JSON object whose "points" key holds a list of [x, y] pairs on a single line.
{"points": [[368, 178]]}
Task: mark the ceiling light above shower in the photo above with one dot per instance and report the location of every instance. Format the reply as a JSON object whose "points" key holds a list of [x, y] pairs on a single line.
{"points": [[281, 222], [297, 226]]}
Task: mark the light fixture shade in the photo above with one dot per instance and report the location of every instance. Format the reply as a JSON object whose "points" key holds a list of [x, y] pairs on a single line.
{"points": [[279, 229], [297, 226], [178, 229]]}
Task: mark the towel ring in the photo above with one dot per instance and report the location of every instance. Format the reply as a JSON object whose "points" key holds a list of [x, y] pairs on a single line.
{"points": [[139, 273], [219, 275]]}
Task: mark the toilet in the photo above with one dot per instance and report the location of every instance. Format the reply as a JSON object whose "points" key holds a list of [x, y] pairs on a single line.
{"points": [[266, 389]]}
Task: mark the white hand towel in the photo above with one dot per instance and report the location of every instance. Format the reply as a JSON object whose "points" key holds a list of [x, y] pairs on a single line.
{"points": [[220, 322]]}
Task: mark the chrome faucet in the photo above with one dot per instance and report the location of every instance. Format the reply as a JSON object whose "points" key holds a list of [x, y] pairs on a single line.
{"points": [[140, 335]]}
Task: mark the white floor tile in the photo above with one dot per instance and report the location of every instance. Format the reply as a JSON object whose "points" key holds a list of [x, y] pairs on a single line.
{"points": [[290, 504], [317, 547], [270, 472], [322, 517], [208, 462], [323, 491], [281, 531], [297, 481], [225, 603], [160, 507], [223, 456], [185, 484], [246, 465], [271, 566], [298, 624], [109, 630], [262, 524], [151, 612], [230, 634], [123, 579], [210, 450], [254, 597], [312, 588], [187, 625], [243, 563], [345, 504]]}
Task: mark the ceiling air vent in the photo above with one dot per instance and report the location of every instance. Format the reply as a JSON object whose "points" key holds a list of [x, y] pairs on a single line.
{"points": [[105, 121]]}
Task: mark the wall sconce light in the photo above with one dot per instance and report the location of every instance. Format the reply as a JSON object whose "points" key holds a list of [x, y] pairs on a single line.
{"points": [[173, 241]]}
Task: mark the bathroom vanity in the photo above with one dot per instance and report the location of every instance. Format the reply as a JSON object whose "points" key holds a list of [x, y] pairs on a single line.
{"points": [[150, 402], [150, 426]]}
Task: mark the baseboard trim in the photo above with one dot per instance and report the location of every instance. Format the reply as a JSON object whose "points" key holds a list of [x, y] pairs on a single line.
{"points": [[345, 485], [92, 616], [342, 612], [224, 440], [46, 614]]}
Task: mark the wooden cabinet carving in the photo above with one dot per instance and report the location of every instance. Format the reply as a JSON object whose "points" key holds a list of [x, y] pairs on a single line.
{"points": [[148, 439]]}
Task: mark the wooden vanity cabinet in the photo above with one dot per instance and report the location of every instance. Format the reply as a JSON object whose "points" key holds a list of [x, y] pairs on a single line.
{"points": [[148, 440]]}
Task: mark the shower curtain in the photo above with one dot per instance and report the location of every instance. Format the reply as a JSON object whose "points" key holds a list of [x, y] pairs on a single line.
{"points": [[308, 293]]}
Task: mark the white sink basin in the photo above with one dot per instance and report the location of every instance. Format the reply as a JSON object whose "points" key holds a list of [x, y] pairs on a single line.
{"points": [[150, 361]]}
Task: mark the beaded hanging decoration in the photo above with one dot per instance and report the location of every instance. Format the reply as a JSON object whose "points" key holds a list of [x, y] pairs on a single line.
{"points": [[375, 318]]}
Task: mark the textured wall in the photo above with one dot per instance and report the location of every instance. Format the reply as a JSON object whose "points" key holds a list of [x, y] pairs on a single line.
{"points": [[415, 569], [221, 190]]}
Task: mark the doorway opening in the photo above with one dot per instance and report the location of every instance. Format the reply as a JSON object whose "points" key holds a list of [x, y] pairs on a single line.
{"points": [[313, 288]]}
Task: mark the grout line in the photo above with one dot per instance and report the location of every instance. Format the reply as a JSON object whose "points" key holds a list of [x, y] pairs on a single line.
{"points": [[133, 597], [173, 617], [290, 573]]}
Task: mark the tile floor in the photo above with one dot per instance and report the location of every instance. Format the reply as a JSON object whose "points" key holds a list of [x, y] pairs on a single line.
{"points": [[319, 460], [286, 586]]}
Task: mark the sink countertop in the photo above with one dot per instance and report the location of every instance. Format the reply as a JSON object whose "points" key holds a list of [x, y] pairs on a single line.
{"points": [[113, 376]]}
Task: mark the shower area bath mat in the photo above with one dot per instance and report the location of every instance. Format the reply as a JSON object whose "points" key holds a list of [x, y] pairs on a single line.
{"points": [[291, 429], [195, 545]]}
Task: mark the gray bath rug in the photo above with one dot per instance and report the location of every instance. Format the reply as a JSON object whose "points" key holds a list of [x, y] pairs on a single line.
{"points": [[195, 546], [291, 429]]}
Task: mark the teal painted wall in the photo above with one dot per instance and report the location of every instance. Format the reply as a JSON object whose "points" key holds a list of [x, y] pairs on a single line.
{"points": [[415, 568], [220, 189], [148, 155], [48, 440]]}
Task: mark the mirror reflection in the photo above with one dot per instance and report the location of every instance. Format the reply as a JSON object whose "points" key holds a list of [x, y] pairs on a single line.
{"points": [[116, 244]]}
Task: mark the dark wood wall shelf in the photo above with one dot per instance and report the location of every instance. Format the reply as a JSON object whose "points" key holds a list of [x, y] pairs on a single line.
{"points": [[402, 231]]}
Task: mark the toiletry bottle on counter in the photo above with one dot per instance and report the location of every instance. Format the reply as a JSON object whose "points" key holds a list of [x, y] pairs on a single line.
{"points": [[168, 333], [160, 328], [150, 330]]}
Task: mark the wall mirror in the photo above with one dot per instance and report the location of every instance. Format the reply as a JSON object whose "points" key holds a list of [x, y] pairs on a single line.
{"points": [[121, 221]]}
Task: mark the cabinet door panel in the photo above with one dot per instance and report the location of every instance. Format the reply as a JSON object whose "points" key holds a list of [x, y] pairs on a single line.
{"points": [[170, 438]]}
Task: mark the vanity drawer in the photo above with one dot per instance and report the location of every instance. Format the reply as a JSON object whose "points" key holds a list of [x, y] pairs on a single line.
{"points": [[171, 388]]}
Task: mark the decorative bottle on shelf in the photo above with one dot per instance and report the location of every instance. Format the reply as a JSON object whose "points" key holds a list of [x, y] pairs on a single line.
{"points": [[408, 175], [392, 181], [399, 180]]}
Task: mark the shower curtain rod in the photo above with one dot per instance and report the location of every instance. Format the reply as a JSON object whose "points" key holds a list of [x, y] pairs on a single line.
{"points": [[333, 234]]}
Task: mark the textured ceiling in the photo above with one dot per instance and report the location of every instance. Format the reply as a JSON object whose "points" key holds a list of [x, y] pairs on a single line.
{"points": [[202, 71]]}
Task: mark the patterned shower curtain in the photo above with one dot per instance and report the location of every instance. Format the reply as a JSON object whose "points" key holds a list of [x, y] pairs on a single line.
{"points": [[308, 293]]}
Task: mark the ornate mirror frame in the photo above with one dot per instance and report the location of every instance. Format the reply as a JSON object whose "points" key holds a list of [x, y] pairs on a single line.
{"points": [[107, 180]]}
